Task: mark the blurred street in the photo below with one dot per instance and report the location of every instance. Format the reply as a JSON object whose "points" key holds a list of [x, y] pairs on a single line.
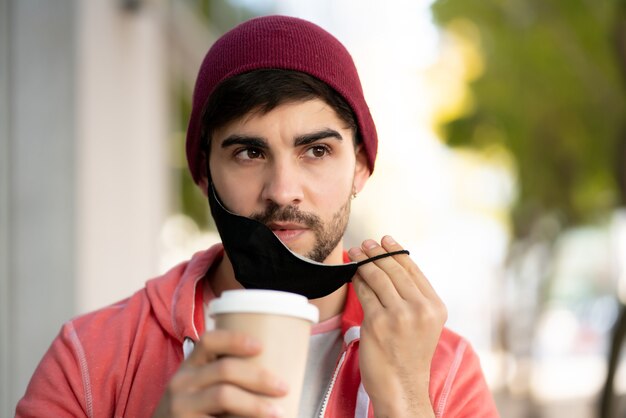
{"points": [[502, 167]]}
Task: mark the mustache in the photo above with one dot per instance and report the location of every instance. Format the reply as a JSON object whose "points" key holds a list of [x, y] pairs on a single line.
{"points": [[276, 213]]}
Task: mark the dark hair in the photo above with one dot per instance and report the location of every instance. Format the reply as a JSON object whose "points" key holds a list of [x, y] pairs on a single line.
{"points": [[264, 90]]}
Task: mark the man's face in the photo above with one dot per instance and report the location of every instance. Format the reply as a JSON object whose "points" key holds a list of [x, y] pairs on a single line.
{"points": [[294, 169]]}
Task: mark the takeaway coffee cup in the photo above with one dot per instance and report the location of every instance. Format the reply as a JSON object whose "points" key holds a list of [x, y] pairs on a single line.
{"points": [[282, 322]]}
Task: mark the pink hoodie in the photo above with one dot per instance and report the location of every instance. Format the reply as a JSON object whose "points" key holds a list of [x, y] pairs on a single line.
{"points": [[116, 362]]}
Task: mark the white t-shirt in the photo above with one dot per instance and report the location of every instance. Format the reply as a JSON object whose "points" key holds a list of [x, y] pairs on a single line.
{"points": [[324, 349]]}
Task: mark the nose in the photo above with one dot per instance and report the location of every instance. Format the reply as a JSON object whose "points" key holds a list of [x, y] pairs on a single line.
{"points": [[282, 184]]}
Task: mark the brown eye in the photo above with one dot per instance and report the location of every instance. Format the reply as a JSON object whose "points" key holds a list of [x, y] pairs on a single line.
{"points": [[318, 151], [249, 154]]}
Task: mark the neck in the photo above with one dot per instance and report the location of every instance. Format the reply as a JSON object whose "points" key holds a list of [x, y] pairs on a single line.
{"points": [[222, 278]]}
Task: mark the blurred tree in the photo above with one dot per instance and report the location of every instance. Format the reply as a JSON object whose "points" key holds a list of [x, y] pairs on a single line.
{"points": [[222, 15], [219, 16], [552, 92]]}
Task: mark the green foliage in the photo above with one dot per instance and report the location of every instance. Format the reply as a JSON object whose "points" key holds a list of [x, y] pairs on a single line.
{"points": [[220, 16], [553, 91], [189, 199]]}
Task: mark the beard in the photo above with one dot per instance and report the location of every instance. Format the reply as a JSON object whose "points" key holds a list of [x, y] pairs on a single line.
{"points": [[327, 235]]}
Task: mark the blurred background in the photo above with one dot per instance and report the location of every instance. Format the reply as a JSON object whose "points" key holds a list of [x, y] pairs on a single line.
{"points": [[501, 167]]}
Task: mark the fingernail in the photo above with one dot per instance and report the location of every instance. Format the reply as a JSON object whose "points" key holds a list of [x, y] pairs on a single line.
{"points": [[252, 344], [389, 240], [370, 244], [356, 251], [281, 385], [274, 411]]}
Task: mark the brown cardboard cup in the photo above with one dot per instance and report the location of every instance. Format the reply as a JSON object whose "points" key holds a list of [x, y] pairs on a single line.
{"points": [[282, 322]]}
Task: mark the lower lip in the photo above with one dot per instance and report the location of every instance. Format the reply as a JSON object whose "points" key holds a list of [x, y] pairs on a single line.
{"points": [[286, 235]]}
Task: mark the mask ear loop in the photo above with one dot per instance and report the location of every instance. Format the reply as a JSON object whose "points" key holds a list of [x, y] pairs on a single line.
{"points": [[379, 256], [209, 183]]}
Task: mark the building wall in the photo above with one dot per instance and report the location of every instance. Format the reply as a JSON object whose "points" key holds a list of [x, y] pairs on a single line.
{"points": [[83, 130], [121, 148], [38, 170]]}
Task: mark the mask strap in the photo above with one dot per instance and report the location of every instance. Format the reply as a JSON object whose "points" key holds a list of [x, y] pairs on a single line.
{"points": [[208, 175], [379, 256]]}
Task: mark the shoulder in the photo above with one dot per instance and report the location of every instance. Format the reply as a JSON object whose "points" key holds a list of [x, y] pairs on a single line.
{"points": [[451, 345], [98, 357], [457, 385], [81, 369], [114, 320], [449, 356]]}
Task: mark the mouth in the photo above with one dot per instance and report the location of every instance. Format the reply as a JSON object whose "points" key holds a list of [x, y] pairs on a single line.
{"points": [[287, 232]]}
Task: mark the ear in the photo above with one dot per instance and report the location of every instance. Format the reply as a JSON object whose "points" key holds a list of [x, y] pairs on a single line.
{"points": [[361, 169]]}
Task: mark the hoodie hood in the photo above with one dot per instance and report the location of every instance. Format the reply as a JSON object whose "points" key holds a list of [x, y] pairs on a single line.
{"points": [[176, 297]]}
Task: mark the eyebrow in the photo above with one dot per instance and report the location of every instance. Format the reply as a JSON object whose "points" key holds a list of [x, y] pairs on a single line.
{"points": [[251, 141], [260, 142], [316, 136]]}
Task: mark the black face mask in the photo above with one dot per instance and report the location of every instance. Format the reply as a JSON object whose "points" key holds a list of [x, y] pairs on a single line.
{"points": [[261, 260]]}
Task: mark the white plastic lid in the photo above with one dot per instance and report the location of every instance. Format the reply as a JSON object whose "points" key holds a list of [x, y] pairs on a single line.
{"points": [[264, 301]]}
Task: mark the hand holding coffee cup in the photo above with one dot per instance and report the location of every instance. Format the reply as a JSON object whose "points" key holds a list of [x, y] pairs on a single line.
{"points": [[281, 322], [252, 365]]}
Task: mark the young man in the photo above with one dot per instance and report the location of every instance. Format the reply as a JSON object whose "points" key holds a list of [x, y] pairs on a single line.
{"points": [[280, 139]]}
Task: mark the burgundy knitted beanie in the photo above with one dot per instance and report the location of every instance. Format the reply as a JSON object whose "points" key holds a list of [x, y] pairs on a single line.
{"points": [[285, 43]]}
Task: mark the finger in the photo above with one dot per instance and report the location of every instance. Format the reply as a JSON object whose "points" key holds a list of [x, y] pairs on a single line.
{"points": [[367, 297], [376, 279], [241, 373], [390, 245], [221, 342], [400, 277], [229, 399], [397, 275]]}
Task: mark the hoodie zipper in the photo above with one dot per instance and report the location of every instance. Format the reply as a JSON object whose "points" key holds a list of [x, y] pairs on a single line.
{"points": [[332, 383]]}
